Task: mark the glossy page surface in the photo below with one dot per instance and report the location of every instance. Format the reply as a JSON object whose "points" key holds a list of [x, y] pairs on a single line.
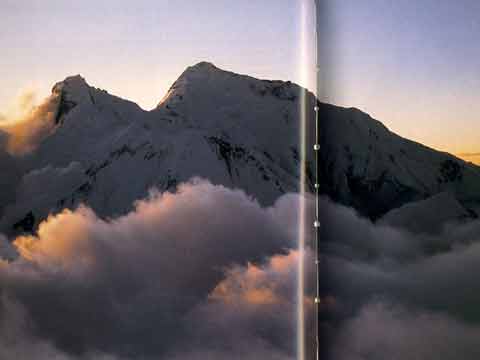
{"points": [[400, 180]]}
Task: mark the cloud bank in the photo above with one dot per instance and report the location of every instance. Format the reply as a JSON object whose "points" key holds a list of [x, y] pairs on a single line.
{"points": [[386, 331], [204, 272], [395, 294], [208, 273]]}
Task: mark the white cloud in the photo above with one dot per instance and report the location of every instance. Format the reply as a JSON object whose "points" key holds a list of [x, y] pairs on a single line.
{"points": [[148, 283], [386, 331]]}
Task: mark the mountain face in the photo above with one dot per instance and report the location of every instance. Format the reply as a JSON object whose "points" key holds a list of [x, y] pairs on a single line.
{"points": [[231, 129], [107, 152], [366, 166]]}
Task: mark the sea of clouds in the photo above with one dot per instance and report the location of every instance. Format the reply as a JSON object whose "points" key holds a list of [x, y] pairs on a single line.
{"points": [[205, 272], [395, 294]]}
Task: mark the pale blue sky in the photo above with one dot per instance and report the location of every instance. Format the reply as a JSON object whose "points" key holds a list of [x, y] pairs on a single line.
{"points": [[136, 49]]}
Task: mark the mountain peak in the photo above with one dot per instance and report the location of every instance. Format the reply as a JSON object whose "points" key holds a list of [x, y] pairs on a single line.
{"points": [[203, 69], [74, 90], [79, 79], [203, 66], [192, 75], [70, 84]]}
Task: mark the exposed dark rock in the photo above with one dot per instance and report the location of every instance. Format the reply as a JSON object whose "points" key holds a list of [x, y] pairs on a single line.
{"points": [[64, 107], [26, 224], [279, 89], [84, 189], [224, 151], [450, 171]]}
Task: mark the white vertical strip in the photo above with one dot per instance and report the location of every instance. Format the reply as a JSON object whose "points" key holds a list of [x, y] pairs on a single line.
{"points": [[308, 79], [301, 225]]}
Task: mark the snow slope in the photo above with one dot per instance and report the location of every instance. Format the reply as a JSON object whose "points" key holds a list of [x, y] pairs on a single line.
{"points": [[366, 166], [232, 129], [107, 152], [427, 216]]}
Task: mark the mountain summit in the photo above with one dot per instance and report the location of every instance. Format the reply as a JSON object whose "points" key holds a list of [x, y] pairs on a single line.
{"points": [[107, 152], [231, 129]]}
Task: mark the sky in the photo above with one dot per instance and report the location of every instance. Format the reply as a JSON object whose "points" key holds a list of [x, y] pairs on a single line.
{"points": [[415, 68], [138, 49], [412, 65]]}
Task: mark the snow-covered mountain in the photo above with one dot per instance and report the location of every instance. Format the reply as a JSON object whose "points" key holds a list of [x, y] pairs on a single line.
{"points": [[429, 215], [366, 166], [232, 129], [107, 152]]}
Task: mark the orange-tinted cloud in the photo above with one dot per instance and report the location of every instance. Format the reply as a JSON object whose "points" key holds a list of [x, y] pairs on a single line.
{"points": [[27, 124], [257, 285], [142, 281], [272, 283], [62, 240]]}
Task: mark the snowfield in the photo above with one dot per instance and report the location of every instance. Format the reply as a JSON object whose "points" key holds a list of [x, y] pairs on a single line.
{"points": [[234, 130]]}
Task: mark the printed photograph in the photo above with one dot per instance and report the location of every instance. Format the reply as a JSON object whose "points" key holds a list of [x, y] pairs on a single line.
{"points": [[258, 180]]}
